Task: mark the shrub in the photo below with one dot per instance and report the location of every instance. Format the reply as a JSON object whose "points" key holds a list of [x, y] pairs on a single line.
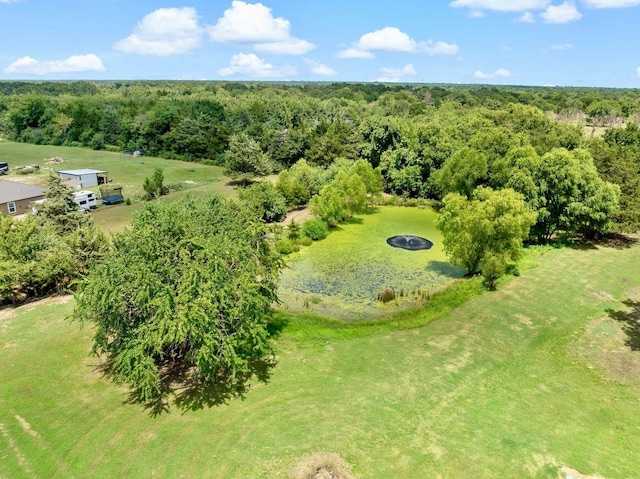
{"points": [[266, 200], [28, 170], [293, 232], [306, 241], [286, 247], [316, 229]]}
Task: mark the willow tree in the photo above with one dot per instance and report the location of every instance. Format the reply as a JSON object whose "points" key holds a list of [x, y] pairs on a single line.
{"points": [[188, 289], [485, 232]]}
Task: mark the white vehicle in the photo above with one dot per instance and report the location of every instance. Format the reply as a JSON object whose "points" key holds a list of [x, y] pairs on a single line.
{"points": [[85, 199]]}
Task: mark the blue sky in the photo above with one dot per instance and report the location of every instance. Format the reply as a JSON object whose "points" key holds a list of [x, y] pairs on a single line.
{"points": [[519, 42]]}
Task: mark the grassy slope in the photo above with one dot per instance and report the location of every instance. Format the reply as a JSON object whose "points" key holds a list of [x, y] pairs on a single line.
{"points": [[501, 387], [127, 171]]}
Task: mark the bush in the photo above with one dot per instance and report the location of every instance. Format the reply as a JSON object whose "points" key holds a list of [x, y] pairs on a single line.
{"points": [[316, 229], [27, 170], [97, 141], [293, 232], [286, 247], [306, 241], [266, 200]]}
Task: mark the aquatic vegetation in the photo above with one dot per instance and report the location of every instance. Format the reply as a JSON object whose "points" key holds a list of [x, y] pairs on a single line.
{"points": [[346, 271]]}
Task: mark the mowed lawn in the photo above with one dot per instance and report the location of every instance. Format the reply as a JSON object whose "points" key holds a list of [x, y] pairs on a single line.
{"points": [[515, 383], [195, 179]]}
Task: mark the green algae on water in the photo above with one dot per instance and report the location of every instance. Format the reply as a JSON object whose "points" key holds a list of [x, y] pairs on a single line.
{"points": [[342, 275]]}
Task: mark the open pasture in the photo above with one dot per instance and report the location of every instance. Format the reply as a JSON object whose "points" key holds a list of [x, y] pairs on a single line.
{"points": [[128, 171], [539, 375]]}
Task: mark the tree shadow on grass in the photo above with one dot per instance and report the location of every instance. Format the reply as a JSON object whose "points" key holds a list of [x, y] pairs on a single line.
{"points": [[610, 240], [630, 319], [582, 243], [196, 394], [179, 388]]}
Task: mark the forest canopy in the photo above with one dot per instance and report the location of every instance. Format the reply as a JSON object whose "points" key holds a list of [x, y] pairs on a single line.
{"points": [[424, 140]]}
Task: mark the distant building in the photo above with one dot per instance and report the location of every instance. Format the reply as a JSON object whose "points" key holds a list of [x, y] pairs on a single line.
{"points": [[16, 197], [84, 178]]}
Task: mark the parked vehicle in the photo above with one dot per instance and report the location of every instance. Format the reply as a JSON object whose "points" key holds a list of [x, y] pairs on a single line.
{"points": [[85, 199], [4, 168]]}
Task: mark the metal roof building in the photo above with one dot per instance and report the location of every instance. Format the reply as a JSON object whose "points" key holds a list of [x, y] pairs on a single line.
{"points": [[85, 177]]}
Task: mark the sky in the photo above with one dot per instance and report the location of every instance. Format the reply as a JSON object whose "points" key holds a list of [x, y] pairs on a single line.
{"points": [[506, 42]]}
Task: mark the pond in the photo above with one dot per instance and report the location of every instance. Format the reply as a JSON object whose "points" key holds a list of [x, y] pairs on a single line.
{"points": [[342, 275]]}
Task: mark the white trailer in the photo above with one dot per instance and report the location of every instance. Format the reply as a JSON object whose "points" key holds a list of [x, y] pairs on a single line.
{"points": [[85, 199]]}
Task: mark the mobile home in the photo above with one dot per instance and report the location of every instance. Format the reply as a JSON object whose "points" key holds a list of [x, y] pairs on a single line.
{"points": [[85, 199]]}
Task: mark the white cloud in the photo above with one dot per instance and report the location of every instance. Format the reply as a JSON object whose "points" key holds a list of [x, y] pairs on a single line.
{"points": [[611, 3], [501, 5], [564, 46], [563, 13], [526, 17], [291, 46], [255, 24], [164, 32], [476, 14], [392, 75], [9, 1], [319, 69], [389, 39], [249, 23], [250, 65], [499, 73], [392, 39], [75, 63], [439, 48], [353, 52], [638, 72]]}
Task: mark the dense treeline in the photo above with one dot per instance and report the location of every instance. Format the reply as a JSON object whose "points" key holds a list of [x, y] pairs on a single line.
{"points": [[426, 140]]}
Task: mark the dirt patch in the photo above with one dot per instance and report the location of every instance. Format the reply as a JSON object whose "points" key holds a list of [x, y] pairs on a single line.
{"points": [[524, 320], [604, 346], [299, 216], [633, 294], [601, 296], [51, 300], [7, 313], [16, 450], [26, 426], [322, 465], [568, 473]]}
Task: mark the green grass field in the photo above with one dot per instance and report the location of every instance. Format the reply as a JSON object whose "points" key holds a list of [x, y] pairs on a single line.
{"points": [[125, 170], [514, 383]]}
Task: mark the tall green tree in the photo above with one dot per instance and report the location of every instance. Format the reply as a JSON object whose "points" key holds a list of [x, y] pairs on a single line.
{"points": [[245, 158], [463, 172], [187, 290], [571, 195], [485, 231], [340, 199], [299, 183], [48, 251]]}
